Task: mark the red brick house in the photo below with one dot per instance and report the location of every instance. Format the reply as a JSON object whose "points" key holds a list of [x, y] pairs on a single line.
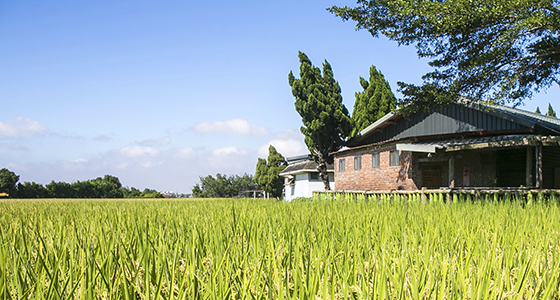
{"points": [[461, 146]]}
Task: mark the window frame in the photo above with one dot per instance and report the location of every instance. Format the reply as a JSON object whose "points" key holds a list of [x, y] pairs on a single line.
{"points": [[375, 160], [311, 176], [342, 165], [357, 163], [394, 159]]}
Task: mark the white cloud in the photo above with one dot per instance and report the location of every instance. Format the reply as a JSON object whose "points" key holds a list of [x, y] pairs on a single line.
{"points": [[237, 126], [226, 151], [21, 125], [138, 151], [185, 153], [287, 147], [288, 143]]}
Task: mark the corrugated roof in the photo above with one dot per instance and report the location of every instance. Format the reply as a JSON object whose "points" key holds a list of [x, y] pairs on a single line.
{"points": [[545, 121]]}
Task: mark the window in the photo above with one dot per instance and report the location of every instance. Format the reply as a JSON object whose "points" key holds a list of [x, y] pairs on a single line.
{"points": [[375, 160], [341, 165], [313, 176], [357, 162], [394, 158]]}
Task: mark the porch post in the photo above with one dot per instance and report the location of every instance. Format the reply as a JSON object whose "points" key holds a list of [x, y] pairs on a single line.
{"points": [[528, 167], [538, 166], [452, 171]]}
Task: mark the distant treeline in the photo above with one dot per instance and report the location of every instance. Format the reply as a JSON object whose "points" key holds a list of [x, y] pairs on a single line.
{"points": [[223, 186], [106, 187]]}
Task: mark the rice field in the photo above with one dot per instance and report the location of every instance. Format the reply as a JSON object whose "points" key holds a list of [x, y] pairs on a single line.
{"points": [[258, 249]]}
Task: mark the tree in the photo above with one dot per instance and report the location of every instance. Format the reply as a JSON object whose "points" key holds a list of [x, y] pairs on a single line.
{"points": [[551, 112], [494, 50], [374, 102], [538, 111], [326, 123], [8, 181], [29, 190], [266, 175], [222, 186]]}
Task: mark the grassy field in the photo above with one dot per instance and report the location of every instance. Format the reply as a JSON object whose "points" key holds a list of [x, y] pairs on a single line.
{"points": [[258, 249]]}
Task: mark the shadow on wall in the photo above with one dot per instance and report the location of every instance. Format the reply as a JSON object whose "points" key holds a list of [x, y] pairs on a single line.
{"points": [[406, 171]]}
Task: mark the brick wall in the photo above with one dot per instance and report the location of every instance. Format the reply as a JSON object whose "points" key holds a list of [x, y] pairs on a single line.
{"points": [[386, 177]]}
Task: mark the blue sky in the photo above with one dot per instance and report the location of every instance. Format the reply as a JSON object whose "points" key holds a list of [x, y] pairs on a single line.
{"points": [[159, 93]]}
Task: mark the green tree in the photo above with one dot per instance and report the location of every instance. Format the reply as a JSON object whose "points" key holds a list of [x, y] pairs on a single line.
{"points": [[266, 174], [29, 190], [485, 49], [8, 181], [61, 190], [374, 102], [326, 123], [551, 112], [222, 186], [538, 111], [149, 193]]}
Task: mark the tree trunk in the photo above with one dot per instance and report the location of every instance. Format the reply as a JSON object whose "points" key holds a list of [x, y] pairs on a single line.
{"points": [[322, 168]]}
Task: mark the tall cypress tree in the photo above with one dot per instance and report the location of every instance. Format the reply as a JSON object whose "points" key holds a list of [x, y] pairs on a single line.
{"points": [[551, 112], [538, 111], [266, 175], [326, 123], [374, 102]]}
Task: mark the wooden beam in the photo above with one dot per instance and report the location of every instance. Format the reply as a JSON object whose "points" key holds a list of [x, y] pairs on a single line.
{"points": [[538, 167], [529, 167], [451, 171]]}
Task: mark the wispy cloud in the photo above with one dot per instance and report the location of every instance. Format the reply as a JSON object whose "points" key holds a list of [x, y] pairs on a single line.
{"points": [[21, 125], [236, 126], [138, 151]]}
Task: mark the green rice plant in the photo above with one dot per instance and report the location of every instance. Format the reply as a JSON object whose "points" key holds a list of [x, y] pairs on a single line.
{"points": [[260, 249]]}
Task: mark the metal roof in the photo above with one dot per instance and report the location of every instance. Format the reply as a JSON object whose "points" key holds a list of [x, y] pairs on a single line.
{"points": [[542, 120], [460, 118]]}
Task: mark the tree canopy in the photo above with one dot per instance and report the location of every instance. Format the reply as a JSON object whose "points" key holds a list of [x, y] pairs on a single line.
{"points": [[318, 100], [8, 181], [101, 187], [223, 186], [493, 50], [375, 101], [266, 175]]}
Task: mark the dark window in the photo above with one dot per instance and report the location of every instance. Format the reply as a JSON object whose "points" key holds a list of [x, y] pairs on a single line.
{"points": [[313, 176], [394, 158], [341, 165], [357, 162], [375, 160]]}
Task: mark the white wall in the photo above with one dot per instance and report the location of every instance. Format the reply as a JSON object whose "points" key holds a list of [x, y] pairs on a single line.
{"points": [[304, 187]]}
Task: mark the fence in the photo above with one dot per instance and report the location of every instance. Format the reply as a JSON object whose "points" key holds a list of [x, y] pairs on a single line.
{"points": [[442, 195]]}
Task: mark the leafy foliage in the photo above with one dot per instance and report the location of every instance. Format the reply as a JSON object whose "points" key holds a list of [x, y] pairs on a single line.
{"points": [[223, 186], [326, 123], [374, 102], [266, 175], [8, 180], [485, 49], [106, 187]]}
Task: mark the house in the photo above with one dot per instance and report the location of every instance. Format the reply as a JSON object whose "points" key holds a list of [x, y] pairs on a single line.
{"points": [[465, 145], [301, 177]]}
